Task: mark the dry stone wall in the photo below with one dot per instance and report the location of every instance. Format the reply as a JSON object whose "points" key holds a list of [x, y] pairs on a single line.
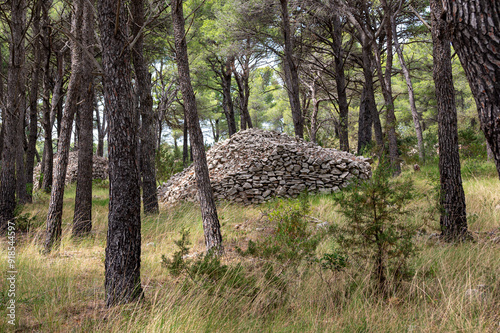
{"points": [[255, 165], [99, 169]]}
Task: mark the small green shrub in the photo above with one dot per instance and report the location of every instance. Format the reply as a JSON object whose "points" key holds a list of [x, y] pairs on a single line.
{"points": [[376, 230], [291, 241], [168, 163]]}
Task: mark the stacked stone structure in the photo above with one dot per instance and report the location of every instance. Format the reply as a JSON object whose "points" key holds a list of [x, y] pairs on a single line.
{"points": [[255, 165], [99, 169]]}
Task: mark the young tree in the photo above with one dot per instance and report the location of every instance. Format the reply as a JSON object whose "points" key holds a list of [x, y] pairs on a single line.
{"points": [[475, 31], [453, 215], [211, 226], [82, 220], [123, 247]]}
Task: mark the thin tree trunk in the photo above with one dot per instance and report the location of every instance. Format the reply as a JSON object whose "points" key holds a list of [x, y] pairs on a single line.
{"points": [[54, 215], [370, 104], [365, 121], [385, 82], [226, 71], [411, 95], [147, 139], [82, 219], [123, 247], [185, 143], [211, 226], [341, 84], [33, 128], [243, 92], [475, 35], [291, 71], [453, 219]]}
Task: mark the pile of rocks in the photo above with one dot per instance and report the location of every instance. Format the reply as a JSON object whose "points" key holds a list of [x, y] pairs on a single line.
{"points": [[256, 165], [99, 169]]}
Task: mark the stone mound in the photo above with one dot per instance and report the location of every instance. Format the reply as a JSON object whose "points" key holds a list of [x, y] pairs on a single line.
{"points": [[99, 169], [255, 165]]}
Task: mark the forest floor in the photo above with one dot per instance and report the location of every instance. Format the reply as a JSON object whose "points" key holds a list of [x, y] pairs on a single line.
{"points": [[452, 288]]}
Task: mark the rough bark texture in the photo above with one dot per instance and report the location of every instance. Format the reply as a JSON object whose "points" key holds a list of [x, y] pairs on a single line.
{"points": [[411, 95], [12, 115], [54, 215], [341, 83], [123, 248], [291, 71], [227, 100], [211, 226], [453, 213], [33, 128], [18, 24], [475, 33], [385, 82], [147, 137], [82, 219]]}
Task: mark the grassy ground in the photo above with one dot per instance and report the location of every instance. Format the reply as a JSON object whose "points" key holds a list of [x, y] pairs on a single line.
{"points": [[64, 291]]}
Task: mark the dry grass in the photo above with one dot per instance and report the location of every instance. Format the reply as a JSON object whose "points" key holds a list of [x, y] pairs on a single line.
{"points": [[64, 292]]}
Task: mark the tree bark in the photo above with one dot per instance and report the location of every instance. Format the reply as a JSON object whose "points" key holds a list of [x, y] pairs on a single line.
{"points": [[147, 138], [475, 31], [12, 114], [54, 215], [453, 218], [291, 71], [411, 95], [385, 82], [341, 84], [365, 119], [82, 219], [123, 248], [185, 141], [33, 128], [243, 91], [227, 100], [211, 226]]}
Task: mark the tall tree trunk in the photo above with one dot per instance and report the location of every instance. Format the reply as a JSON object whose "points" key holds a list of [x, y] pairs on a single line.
{"points": [[453, 212], [475, 35], [365, 121], [369, 90], [227, 100], [243, 92], [123, 248], [82, 219], [385, 82], [185, 143], [411, 95], [341, 84], [147, 138], [18, 24], [211, 226], [54, 215], [33, 128], [12, 114], [291, 71]]}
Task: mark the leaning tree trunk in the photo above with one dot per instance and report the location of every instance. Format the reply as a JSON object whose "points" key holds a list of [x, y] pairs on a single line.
{"points": [[147, 138], [54, 215], [211, 226], [82, 219], [411, 95], [291, 71], [123, 248], [33, 128], [453, 215], [475, 31]]}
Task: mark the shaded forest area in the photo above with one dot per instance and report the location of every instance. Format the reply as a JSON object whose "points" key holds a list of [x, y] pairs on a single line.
{"points": [[151, 85]]}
